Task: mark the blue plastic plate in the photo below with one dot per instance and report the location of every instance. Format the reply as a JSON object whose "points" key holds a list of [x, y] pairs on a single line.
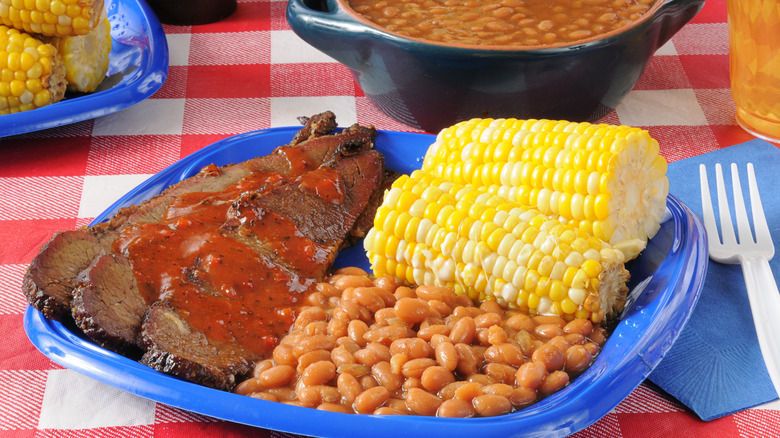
{"points": [[138, 66], [667, 280]]}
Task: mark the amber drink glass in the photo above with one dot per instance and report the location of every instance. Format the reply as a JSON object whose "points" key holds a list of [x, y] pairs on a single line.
{"points": [[754, 59]]}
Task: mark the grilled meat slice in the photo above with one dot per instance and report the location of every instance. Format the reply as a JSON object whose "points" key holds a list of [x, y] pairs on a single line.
{"points": [[51, 277], [292, 232], [151, 280], [107, 305]]}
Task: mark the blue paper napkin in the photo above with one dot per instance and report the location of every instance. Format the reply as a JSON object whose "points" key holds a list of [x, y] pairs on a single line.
{"points": [[715, 367]]}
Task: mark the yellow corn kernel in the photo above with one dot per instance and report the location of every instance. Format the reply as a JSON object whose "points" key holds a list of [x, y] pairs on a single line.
{"points": [[52, 17], [499, 250], [25, 81], [86, 57], [578, 171]]}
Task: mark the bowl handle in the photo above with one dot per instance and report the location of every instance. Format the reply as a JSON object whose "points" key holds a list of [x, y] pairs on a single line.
{"points": [[321, 22], [673, 15]]}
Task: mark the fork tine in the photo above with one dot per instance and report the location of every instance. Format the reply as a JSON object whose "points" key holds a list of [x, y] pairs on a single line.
{"points": [[743, 223], [706, 204], [759, 220], [726, 226]]}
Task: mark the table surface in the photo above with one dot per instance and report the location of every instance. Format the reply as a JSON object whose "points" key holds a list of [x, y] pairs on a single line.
{"points": [[62, 178]]}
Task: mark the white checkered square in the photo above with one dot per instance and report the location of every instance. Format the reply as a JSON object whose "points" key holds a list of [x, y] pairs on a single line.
{"points": [[661, 108], [667, 49], [151, 116], [288, 48], [178, 48], [285, 111], [100, 191], [73, 401]]}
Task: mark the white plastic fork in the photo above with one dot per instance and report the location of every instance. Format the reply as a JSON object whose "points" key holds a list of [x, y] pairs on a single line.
{"points": [[752, 254]]}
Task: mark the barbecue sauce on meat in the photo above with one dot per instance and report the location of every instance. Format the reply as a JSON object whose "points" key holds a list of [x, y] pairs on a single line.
{"points": [[325, 183], [218, 284]]}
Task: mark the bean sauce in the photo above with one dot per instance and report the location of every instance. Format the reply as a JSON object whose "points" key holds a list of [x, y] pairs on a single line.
{"points": [[501, 22], [372, 347]]}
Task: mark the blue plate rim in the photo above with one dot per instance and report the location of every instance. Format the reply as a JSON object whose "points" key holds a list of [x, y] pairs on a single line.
{"points": [[146, 34], [660, 311]]}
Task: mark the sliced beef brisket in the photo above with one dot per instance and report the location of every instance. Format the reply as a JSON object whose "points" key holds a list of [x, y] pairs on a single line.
{"points": [[286, 229]]}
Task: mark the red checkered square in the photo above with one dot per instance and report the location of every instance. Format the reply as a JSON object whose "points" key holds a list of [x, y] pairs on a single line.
{"points": [[646, 399], [302, 80], [26, 156], [173, 30], [84, 221], [169, 414], [610, 118], [663, 73], [194, 143], [230, 48], [714, 11], [174, 422], [226, 81], [249, 16], [213, 429], [678, 142], [718, 106], [758, 422], [21, 394], [726, 135], [225, 116], [16, 351], [279, 15], [144, 431], [22, 238], [30, 198], [19, 433], [665, 425], [122, 155], [707, 71], [702, 39], [12, 303], [608, 426], [175, 86]]}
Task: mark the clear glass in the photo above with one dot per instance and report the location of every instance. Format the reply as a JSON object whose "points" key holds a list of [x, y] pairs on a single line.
{"points": [[754, 61]]}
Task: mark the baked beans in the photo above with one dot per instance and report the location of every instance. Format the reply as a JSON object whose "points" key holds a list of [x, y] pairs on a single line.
{"points": [[501, 22], [373, 347]]}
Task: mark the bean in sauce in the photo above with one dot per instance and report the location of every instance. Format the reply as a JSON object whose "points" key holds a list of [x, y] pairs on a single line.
{"points": [[403, 357], [502, 22]]}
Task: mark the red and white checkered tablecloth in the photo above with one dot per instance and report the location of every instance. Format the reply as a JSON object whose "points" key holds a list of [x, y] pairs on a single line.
{"points": [[251, 72]]}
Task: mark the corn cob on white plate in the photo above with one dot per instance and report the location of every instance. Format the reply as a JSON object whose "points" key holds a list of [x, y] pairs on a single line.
{"points": [[138, 66], [667, 278]]}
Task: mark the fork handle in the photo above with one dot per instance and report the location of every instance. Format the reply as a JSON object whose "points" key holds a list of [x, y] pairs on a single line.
{"points": [[765, 306]]}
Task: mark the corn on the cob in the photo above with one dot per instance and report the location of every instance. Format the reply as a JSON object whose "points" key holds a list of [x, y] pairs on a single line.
{"points": [[431, 231], [607, 180], [85, 57], [32, 74], [59, 18]]}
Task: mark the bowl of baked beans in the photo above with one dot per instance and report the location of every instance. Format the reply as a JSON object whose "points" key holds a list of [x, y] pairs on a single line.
{"points": [[432, 63]]}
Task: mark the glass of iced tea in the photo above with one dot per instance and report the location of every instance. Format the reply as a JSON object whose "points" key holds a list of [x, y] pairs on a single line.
{"points": [[754, 58]]}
